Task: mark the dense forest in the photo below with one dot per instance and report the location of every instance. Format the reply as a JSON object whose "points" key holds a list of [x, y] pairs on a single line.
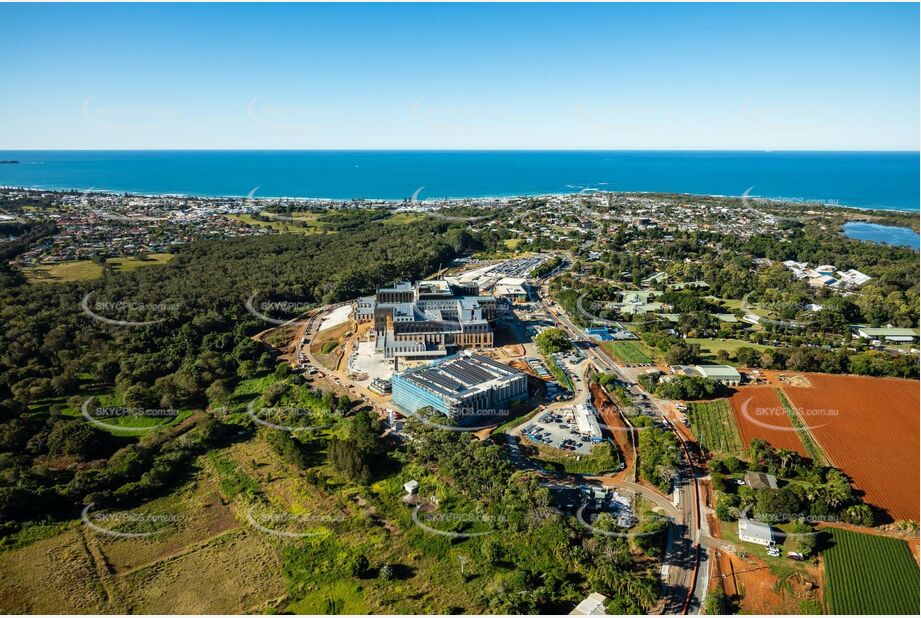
{"points": [[189, 341]]}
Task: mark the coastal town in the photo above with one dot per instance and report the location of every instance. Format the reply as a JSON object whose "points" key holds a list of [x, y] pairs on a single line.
{"points": [[648, 360], [460, 309]]}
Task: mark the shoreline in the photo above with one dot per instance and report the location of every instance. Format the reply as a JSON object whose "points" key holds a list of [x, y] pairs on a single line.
{"points": [[775, 201]]}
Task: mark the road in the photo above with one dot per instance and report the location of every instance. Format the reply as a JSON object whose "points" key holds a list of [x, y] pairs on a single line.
{"points": [[686, 575], [338, 376], [686, 571]]}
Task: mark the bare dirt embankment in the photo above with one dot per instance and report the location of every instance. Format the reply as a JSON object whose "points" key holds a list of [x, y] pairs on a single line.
{"points": [[616, 428]]}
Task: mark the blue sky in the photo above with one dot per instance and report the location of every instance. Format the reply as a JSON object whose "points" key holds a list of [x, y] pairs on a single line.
{"points": [[645, 76]]}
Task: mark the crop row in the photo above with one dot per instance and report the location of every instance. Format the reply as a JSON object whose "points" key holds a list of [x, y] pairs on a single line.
{"points": [[714, 426], [871, 574]]}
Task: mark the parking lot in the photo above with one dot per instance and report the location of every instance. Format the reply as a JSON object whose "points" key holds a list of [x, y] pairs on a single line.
{"points": [[557, 429], [519, 267]]}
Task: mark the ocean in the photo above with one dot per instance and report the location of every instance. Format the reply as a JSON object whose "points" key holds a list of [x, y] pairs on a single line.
{"points": [[888, 180]]}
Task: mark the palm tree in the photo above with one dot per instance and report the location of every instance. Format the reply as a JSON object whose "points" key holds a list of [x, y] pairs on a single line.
{"points": [[787, 457]]}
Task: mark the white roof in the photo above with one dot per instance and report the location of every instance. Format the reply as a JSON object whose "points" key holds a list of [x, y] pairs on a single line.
{"points": [[510, 290], [719, 371], [755, 529], [586, 421], [592, 605]]}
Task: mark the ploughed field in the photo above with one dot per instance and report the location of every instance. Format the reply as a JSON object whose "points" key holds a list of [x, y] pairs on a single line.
{"points": [[759, 414], [870, 574], [868, 427]]}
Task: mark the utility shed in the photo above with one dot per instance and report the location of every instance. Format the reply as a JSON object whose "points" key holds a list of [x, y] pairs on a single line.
{"points": [[889, 334], [721, 373]]}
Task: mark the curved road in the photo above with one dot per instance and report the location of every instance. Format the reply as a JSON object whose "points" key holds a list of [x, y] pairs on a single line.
{"points": [[686, 572], [686, 569]]}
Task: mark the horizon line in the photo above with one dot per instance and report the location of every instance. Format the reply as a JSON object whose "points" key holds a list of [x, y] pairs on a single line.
{"points": [[765, 150]]}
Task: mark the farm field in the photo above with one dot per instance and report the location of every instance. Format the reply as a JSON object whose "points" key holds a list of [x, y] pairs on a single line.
{"points": [[628, 352], [815, 453], [304, 223], [870, 574], [715, 428], [83, 270], [759, 415], [402, 218], [83, 570], [868, 427]]}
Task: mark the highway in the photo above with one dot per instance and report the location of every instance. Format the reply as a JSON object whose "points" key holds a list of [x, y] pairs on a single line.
{"points": [[686, 575]]}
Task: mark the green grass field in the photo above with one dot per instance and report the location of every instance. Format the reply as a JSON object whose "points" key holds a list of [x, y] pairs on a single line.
{"points": [[709, 347], [736, 304], [133, 424], [132, 263], [313, 224], [714, 427], [870, 574], [283, 226], [628, 352], [401, 218], [83, 270]]}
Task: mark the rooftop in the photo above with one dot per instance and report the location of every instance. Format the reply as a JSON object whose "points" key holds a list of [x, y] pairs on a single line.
{"points": [[592, 605], [756, 529], [719, 372], [760, 480], [888, 332], [459, 376]]}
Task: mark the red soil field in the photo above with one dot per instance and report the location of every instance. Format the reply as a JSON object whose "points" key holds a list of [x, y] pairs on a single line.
{"points": [[759, 415], [869, 428]]}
